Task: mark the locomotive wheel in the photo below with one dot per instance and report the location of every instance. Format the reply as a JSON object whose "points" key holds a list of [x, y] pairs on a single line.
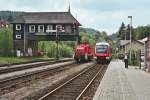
{"points": [[77, 60], [89, 58]]}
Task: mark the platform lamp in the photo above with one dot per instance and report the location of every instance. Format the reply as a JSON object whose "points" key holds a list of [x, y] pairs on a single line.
{"points": [[130, 17]]}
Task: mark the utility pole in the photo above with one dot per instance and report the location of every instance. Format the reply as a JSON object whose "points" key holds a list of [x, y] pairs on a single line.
{"points": [[125, 30], [57, 57], [24, 42]]}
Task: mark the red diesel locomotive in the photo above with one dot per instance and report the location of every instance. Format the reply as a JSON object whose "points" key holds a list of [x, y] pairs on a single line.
{"points": [[103, 52], [83, 52]]}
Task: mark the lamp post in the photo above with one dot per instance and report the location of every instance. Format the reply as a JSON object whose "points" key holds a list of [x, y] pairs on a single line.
{"points": [[130, 27], [130, 34]]}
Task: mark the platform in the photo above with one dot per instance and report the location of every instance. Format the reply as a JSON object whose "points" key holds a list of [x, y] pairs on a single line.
{"points": [[119, 83]]}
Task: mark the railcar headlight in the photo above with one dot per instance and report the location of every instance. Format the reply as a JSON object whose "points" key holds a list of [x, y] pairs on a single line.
{"points": [[107, 57]]}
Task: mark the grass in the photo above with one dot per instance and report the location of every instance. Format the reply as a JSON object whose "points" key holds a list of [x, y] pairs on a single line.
{"points": [[10, 60]]}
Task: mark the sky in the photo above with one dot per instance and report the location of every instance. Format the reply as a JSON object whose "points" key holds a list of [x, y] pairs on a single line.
{"points": [[103, 15]]}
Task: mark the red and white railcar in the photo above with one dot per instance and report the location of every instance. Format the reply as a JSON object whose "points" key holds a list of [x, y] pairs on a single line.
{"points": [[103, 52]]}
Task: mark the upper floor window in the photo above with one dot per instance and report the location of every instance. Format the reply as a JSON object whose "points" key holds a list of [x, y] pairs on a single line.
{"points": [[40, 28], [68, 29], [31, 28], [60, 28], [49, 27], [18, 26]]}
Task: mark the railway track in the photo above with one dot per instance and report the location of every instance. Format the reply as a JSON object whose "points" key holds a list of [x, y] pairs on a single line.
{"points": [[19, 67], [11, 64], [77, 87], [13, 83]]}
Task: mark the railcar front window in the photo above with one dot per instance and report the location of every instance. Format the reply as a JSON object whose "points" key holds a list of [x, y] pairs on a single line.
{"points": [[102, 46], [101, 49]]}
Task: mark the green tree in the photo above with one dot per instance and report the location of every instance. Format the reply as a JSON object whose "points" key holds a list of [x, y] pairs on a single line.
{"points": [[121, 32], [141, 32], [6, 42], [64, 50], [43, 46], [10, 19]]}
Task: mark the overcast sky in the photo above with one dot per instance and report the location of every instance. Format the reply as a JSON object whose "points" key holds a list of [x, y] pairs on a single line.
{"points": [[103, 15]]}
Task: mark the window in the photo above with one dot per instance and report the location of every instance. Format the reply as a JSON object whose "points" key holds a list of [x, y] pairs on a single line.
{"points": [[60, 28], [40, 28], [101, 48], [32, 28], [68, 29], [18, 36], [18, 26], [49, 27]]}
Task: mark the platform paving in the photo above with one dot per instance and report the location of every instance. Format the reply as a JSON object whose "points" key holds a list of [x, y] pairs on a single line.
{"points": [[119, 83]]}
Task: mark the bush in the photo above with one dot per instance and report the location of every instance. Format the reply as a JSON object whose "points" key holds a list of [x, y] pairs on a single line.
{"points": [[50, 47], [134, 58], [6, 42], [121, 56], [114, 56]]}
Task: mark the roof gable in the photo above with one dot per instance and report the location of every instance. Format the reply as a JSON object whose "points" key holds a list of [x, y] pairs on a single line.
{"points": [[126, 42], [46, 17]]}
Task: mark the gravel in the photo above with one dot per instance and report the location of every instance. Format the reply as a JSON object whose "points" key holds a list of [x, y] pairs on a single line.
{"points": [[43, 84]]}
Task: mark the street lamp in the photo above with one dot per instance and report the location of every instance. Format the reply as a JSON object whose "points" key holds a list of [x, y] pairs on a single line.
{"points": [[130, 28], [130, 34]]}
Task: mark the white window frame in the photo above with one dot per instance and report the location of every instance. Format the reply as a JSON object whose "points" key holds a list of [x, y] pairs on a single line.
{"points": [[30, 30], [61, 27], [49, 27], [18, 36], [58, 26], [39, 30], [18, 26]]}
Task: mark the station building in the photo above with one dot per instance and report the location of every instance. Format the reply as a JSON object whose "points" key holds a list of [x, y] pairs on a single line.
{"points": [[32, 27]]}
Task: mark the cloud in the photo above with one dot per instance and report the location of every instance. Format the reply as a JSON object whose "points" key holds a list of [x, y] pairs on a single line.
{"points": [[104, 15], [33, 5], [111, 5], [103, 21]]}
